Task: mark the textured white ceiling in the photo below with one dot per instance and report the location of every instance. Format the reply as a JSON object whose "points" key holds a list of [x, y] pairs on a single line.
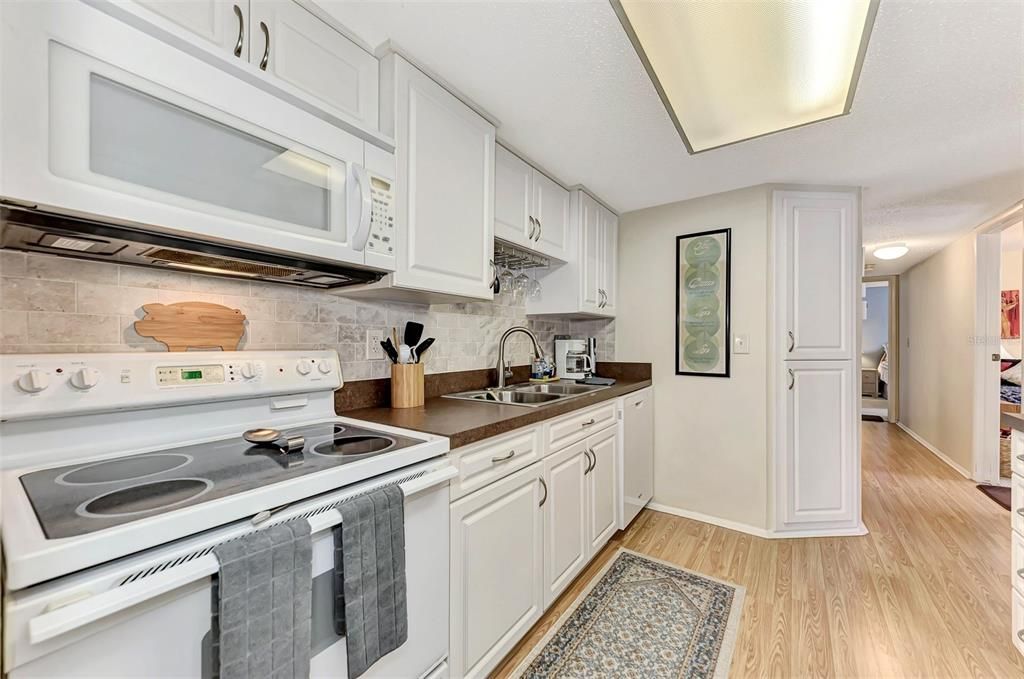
{"points": [[936, 135]]}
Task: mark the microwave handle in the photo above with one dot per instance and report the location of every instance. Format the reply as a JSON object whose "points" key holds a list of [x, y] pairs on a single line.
{"points": [[362, 207], [98, 606]]}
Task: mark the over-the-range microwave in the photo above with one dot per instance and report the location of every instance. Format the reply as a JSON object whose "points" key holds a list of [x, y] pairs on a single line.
{"points": [[101, 119]]}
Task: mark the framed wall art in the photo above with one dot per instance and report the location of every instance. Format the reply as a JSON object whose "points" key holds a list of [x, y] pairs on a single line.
{"points": [[702, 303]]}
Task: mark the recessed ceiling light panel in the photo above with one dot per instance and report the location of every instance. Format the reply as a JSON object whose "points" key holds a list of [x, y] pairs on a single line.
{"points": [[891, 251], [732, 71]]}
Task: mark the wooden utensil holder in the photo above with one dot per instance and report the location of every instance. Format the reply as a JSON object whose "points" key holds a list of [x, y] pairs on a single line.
{"points": [[406, 385]]}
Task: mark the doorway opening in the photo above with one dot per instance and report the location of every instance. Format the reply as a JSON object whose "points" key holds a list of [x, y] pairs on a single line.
{"points": [[879, 359]]}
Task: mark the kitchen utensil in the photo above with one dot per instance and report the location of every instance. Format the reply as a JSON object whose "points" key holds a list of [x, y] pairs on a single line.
{"points": [[404, 354], [390, 350], [275, 439], [394, 336], [406, 386], [197, 325], [421, 348], [413, 333]]}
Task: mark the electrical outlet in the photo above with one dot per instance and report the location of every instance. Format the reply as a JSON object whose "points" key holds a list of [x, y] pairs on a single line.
{"points": [[374, 351]]}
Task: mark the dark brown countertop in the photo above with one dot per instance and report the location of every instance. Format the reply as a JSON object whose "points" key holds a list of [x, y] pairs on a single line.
{"points": [[1012, 421], [465, 422]]}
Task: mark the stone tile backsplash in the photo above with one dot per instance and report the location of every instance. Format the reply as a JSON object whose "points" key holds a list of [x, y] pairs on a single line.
{"points": [[54, 304]]}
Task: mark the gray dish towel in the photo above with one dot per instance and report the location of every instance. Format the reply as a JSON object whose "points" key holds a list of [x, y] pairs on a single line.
{"points": [[369, 577], [262, 602]]}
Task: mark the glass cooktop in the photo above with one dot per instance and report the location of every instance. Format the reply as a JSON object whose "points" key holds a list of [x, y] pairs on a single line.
{"points": [[84, 498]]}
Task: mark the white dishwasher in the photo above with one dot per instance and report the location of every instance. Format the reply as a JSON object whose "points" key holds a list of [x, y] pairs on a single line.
{"points": [[637, 453]]}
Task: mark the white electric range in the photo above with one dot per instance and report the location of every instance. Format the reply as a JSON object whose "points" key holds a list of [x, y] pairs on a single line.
{"points": [[121, 472]]}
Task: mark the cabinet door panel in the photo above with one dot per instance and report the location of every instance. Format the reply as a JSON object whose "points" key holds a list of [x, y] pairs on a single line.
{"points": [[609, 258], [497, 570], [551, 208], [637, 453], [601, 484], [214, 20], [445, 207], [512, 197], [818, 462], [817, 240], [590, 253], [566, 547], [312, 56]]}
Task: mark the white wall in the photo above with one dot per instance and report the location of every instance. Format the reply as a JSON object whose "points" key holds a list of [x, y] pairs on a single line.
{"points": [[711, 452], [937, 322]]}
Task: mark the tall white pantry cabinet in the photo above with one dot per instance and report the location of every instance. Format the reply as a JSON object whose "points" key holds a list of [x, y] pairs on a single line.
{"points": [[814, 362]]}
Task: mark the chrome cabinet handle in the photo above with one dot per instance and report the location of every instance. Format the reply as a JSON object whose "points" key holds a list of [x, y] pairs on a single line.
{"points": [[540, 230], [241, 31], [792, 379], [593, 457], [1020, 572], [266, 50], [590, 464], [1021, 458], [507, 456], [792, 341], [1020, 634], [533, 228], [1021, 511], [589, 422], [545, 487]]}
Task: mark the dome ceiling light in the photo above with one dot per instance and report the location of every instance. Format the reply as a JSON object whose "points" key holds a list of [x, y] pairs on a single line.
{"points": [[891, 251]]}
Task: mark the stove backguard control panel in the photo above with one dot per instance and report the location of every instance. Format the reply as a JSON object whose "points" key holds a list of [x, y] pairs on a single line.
{"points": [[40, 385]]}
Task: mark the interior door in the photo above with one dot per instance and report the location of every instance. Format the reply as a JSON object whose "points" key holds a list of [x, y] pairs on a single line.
{"points": [[552, 212], [445, 207], [497, 569], [566, 548], [512, 199], [818, 461], [225, 24], [297, 47], [590, 251], [817, 238], [601, 483]]}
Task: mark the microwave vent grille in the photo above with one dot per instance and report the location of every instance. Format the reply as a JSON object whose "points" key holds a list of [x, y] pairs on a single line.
{"points": [[224, 264]]}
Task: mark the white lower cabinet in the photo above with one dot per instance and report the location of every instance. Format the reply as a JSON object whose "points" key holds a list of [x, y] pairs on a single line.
{"points": [[497, 569], [601, 485], [522, 538], [566, 541]]}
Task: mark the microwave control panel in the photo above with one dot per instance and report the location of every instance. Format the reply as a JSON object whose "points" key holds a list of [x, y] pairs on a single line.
{"points": [[382, 217]]}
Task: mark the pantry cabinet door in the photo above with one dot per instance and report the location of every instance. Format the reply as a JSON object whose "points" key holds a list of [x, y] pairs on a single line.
{"points": [[601, 486], [290, 43], [818, 281], [497, 569], [513, 180], [590, 254], [225, 24], [566, 548], [445, 190], [609, 248], [818, 466], [551, 210]]}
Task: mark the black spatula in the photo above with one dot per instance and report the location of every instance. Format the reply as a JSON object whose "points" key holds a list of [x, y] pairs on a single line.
{"points": [[413, 333]]}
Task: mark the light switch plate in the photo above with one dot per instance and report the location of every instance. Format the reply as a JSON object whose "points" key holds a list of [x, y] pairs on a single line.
{"points": [[374, 351], [741, 344]]}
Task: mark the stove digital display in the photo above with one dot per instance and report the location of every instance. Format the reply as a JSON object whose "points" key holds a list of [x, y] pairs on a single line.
{"points": [[191, 374]]}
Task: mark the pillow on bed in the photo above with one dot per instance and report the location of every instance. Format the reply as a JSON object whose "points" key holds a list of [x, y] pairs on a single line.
{"points": [[1011, 373]]}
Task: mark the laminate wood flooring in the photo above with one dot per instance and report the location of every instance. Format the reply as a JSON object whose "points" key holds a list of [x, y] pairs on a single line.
{"points": [[925, 594]]}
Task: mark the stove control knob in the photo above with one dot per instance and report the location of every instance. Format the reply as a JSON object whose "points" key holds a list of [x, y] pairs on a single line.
{"points": [[325, 367], [85, 378], [34, 381], [304, 366], [248, 370]]}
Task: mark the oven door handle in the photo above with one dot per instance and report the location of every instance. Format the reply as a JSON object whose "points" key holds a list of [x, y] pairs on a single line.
{"points": [[98, 606]]}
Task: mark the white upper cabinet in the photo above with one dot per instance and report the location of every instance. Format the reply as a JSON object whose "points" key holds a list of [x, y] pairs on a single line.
{"points": [[513, 197], [817, 249], [300, 49], [287, 49], [445, 192], [530, 209], [609, 251], [224, 24]]}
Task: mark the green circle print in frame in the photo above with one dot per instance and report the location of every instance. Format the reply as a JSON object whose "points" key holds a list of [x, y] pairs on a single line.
{"points": [[703, 271]]}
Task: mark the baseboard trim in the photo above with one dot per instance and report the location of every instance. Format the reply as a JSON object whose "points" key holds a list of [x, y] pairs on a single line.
{"points": [[713, 520], [935, 451]]}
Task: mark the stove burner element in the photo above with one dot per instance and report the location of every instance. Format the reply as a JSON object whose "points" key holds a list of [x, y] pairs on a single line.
{"points": [[144, 497], [123, 469], [274, 438], [354, 445]]}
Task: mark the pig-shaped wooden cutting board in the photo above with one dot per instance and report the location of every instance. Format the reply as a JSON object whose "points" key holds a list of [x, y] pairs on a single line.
{"points": [[192, 325]]}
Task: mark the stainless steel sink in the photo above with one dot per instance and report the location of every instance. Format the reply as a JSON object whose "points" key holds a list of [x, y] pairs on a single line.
{"points": [[529, 395]]}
